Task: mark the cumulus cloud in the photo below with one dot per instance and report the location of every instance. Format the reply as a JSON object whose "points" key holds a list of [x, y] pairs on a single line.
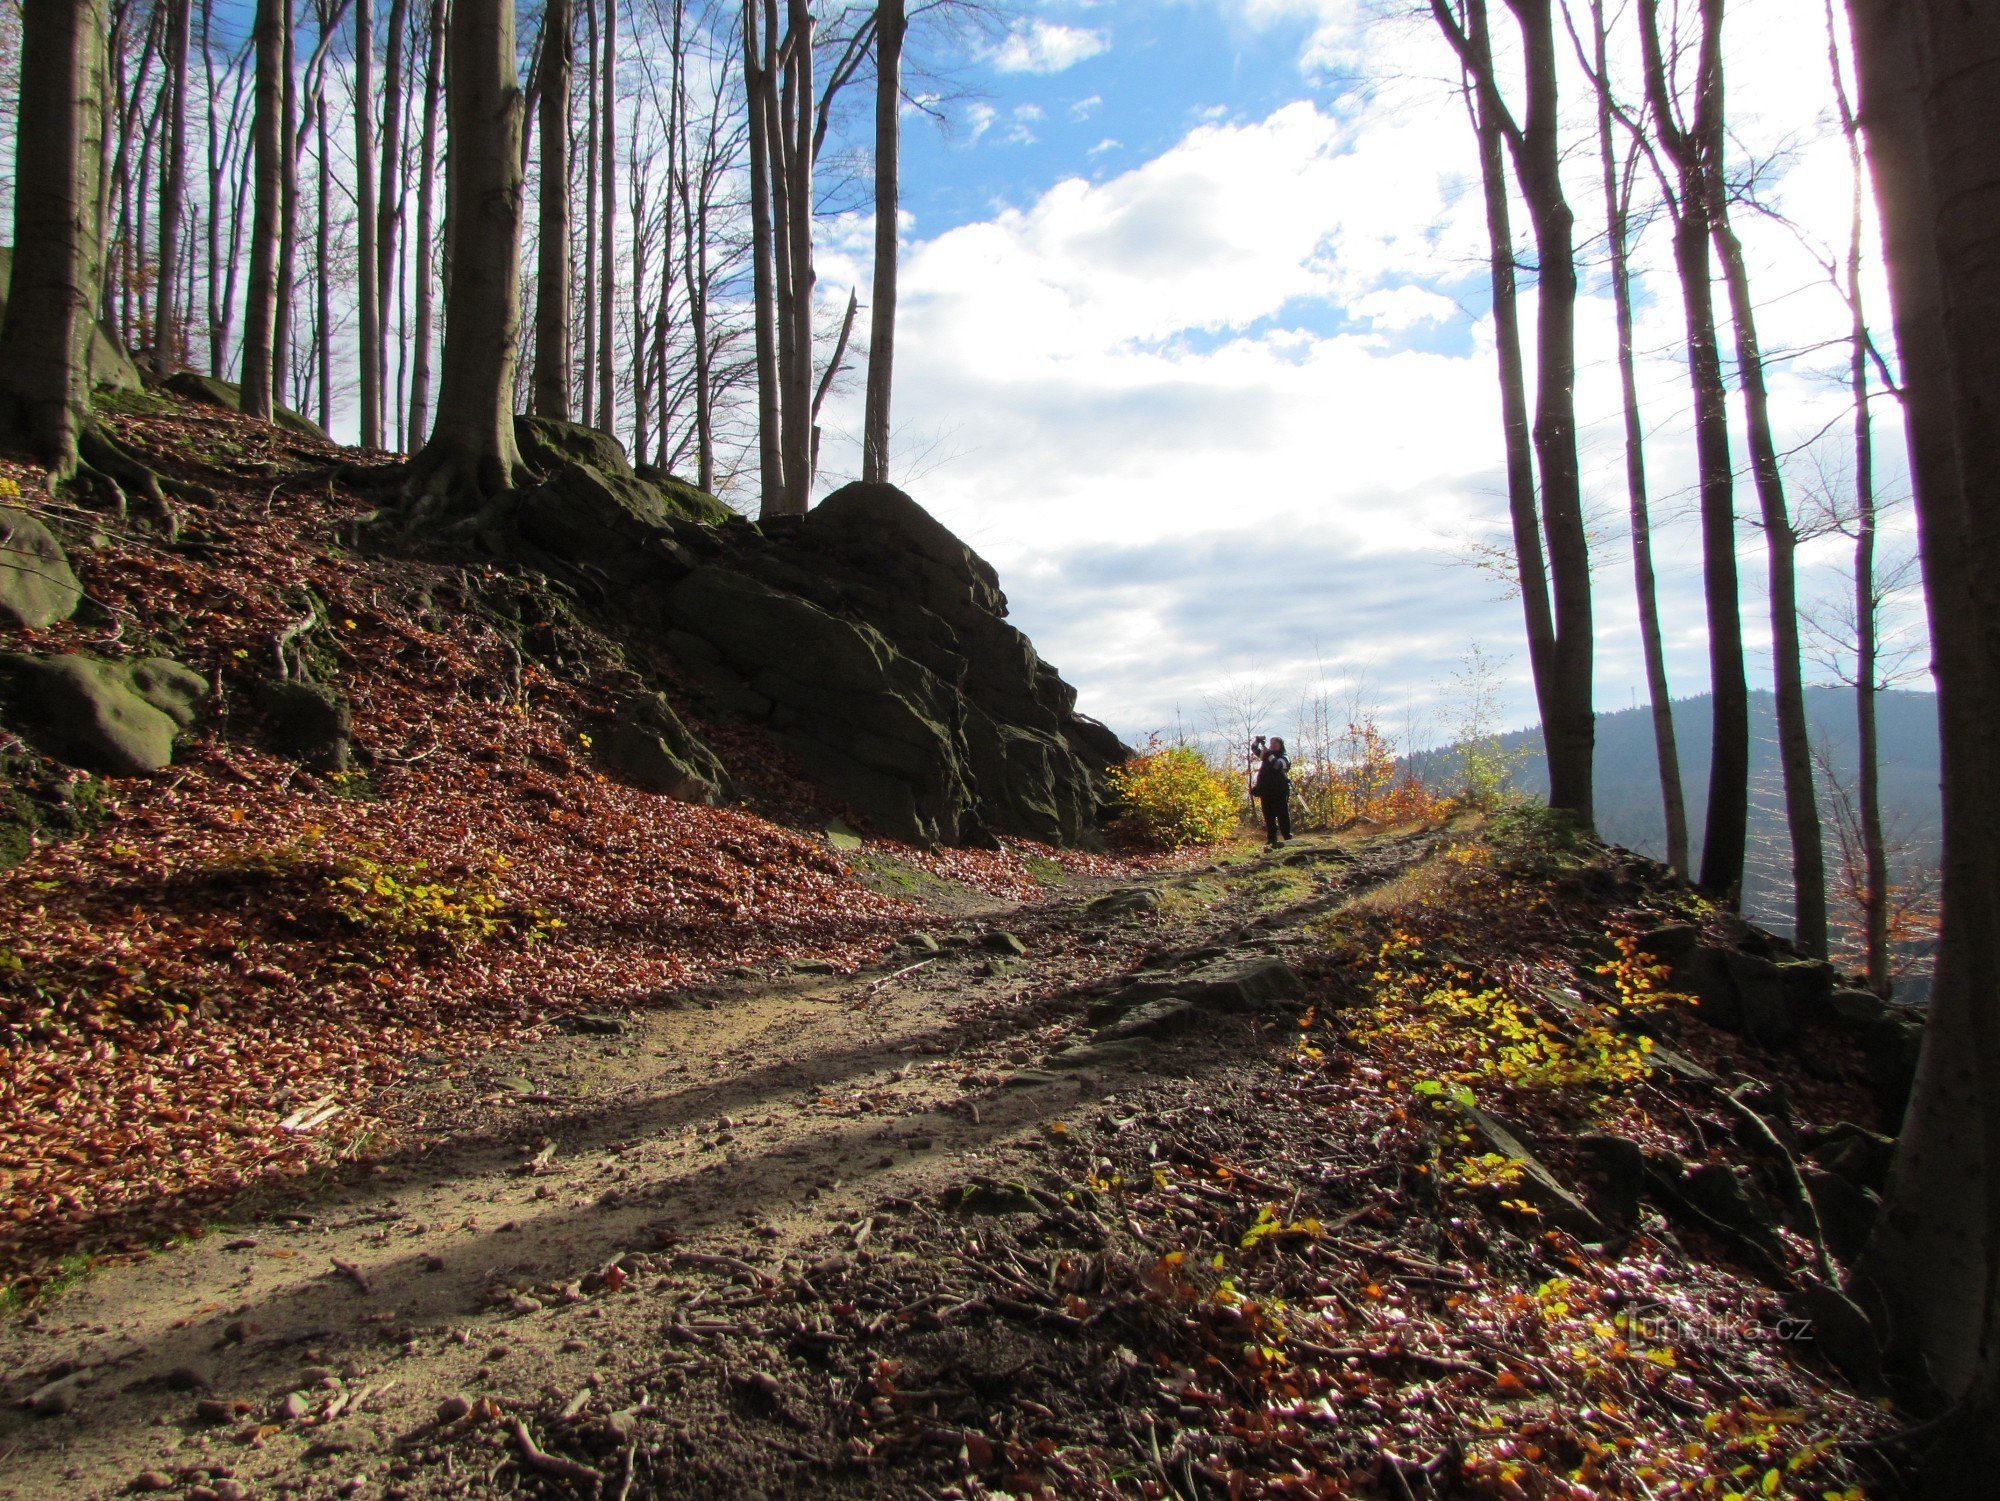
{"points": [[1230, 412], [1037, 46]]}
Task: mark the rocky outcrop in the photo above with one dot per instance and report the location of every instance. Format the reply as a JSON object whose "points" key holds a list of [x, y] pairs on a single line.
{"points": [[118, 718], [868, 640], [37, 588], [206, 389]]}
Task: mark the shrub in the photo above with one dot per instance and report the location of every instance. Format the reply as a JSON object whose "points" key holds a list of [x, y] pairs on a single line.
{"points": [[1173, 798]]}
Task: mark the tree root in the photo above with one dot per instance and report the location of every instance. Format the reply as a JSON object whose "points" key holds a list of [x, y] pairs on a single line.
{"points": [[118, 472]]}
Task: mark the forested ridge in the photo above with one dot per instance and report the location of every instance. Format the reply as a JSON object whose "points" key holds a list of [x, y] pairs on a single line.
{"points": [[566, 949]]}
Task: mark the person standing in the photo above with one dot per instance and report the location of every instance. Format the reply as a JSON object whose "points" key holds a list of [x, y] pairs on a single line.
{"points": [[1273, 788]]}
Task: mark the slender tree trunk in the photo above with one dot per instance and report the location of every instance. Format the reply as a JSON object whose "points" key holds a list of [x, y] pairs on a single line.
{"points": [[370, 290], [795, 413], [1781, 548], [420, 354], [1618, 219], [471, 454], [288, 237], [168, 344], [45, 337], [1867, 669], [1934, 1264], [389, 207], [760, 84], [891, 24], [260, 311], [551, 392], [323, 256], [1569, 722], [1695, 151], [217, 339], [607, 239], [587, 384]]}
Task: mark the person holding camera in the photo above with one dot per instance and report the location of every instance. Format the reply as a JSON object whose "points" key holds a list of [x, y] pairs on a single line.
{"points": [[1273, 788]]}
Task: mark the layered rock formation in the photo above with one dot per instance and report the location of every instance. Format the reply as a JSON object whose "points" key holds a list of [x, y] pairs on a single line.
{"points": [[870, 641]]}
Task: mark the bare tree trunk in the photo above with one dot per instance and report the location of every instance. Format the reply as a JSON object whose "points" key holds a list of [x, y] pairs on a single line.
{"points": [[607, 247], [471, 453], [760, 83], [1569, 721], [1695, 151], [288, 237], [389, 208], [323, 255], [44, 340], [1867, 651], [1530, 562], [694, 255], [587, 382], [1781, 548], [217, 336], [260, 312], [1934, 1264], [168, 344], [1561, 644], [795, 414], [551, 390], [365, 208], [891, 25], [420, 356], [1618, 219]]}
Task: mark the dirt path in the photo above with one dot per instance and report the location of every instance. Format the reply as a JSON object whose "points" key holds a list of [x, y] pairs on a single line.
{"points": [[683, 1152]]}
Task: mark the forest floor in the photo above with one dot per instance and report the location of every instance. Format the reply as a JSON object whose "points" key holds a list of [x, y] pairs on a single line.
{"points": [[472, 1123], [909, 1231]]}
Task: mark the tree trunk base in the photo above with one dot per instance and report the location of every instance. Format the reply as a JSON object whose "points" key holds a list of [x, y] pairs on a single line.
{"points": [[452, 494], [118, 473]]}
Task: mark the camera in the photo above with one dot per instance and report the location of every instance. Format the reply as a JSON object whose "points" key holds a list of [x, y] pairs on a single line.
{"points": [[1259, 745]]}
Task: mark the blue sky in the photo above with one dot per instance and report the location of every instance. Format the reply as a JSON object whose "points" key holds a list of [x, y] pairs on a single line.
{"points": [[1195, 348]]}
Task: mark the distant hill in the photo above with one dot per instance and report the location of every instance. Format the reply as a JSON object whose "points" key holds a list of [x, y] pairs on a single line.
{"points": [[1628, 779]]}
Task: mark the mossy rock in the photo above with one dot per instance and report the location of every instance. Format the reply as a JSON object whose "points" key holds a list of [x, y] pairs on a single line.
{"points": [[684, 499], [547, 444], [37, 588], [208, 391], [117, 718], [651, 747], [310, 723]]}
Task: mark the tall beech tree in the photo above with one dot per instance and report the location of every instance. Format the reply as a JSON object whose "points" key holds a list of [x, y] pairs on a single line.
{"points": [[45, 338], [366, 226], [891, 26], [1619, 180], [552, 306], [267, 131], [471, 457], [1565, 669], [420, 339], [1781, 545], [1929, 74], [1692, 142], [167, 352]]}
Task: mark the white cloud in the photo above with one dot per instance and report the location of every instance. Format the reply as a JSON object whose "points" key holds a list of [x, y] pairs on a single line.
{"points": [[1035, 46], [1083, 109], [1224, 413], [979, 118]]}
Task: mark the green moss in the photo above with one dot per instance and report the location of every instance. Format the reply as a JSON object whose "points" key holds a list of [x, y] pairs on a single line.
{"points": [[39, 802], [134, 403]]}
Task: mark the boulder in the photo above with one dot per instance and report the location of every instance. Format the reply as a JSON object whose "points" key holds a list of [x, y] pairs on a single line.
{"points": [[865, 638], [206, 389], [310, 723], [37, 588], [652, 748], [550, 446], [117, 718]]}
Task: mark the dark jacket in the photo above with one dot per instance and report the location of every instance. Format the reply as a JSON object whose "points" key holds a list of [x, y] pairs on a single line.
{"points": [[1274, 777]]}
